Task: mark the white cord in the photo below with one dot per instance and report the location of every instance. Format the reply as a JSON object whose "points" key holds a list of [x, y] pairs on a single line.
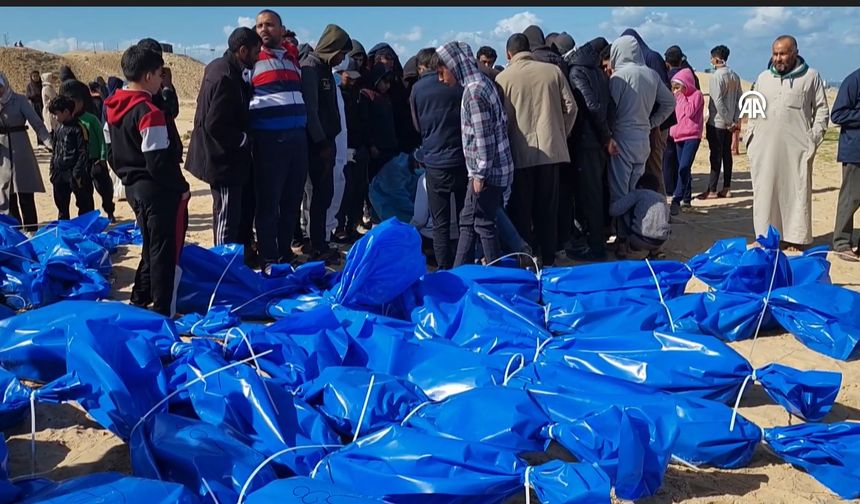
{"points": [[221, 279], [738, 400], [273, 457], [660, 293], [414, 410], [766, 302], [209, 490], [528, 485], [515, 254], [32, 432], [508, 374], [364, 407]]}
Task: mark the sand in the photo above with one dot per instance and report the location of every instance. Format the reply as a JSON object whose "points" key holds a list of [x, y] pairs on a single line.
{"points": [[69, 445]]}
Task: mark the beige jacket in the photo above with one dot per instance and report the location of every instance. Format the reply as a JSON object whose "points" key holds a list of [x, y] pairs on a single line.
{"points": [[541, 111]]}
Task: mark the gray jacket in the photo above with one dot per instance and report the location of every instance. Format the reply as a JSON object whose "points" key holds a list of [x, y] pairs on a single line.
{"points": [[724, 91], [19, 169], [650, 216]]}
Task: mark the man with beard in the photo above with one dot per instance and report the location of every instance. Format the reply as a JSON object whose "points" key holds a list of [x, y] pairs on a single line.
{"points": [[220, 149]]}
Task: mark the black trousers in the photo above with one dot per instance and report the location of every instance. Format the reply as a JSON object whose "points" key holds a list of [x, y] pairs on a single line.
{"points": [[566, 197], [103, 185], [321, 173], [63, 191], [441, 184], [22, 206], [534, 205], [354, 191], [846, 206], [590, 200], [478, 221], [720, 145], [227, 208], [162, 217], [280, 171]]}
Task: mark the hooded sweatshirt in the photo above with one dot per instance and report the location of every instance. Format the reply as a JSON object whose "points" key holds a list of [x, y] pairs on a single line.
{"points": [[591, 91], [142, 146], [642, 101], [318, 85], [483, 122], [689, 108], [541, 51], [654, 61]]}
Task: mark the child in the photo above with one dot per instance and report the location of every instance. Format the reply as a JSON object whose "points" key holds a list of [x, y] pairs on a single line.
{"points": [[687, 133], [146, 157], [69, 165], [646, 213], [85, 112]]}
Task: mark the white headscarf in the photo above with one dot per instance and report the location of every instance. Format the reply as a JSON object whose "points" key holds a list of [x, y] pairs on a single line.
{"points": [[7, 89]]}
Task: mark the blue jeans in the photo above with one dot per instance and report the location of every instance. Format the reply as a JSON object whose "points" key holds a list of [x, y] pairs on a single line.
{"points": [[686, 155]]}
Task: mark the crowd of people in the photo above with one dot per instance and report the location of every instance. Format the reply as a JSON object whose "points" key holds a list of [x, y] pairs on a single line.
{"points": [[556, 153]]}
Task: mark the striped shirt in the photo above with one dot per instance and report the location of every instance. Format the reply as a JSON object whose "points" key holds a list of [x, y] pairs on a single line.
{"points": [[277, 103]]}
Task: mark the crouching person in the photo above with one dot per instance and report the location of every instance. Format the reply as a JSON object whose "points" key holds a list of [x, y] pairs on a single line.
{"points": [[645, 214]]}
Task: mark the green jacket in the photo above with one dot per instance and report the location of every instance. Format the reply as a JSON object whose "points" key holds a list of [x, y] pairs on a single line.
{"points": [[96, 146]]}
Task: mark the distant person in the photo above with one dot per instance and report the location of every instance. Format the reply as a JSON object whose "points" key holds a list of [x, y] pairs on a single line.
{"points": [[642, 104], [69, 167], [646, 214], [541, 111], [113, 84], [676, 61], [220, 149], [66, 73], [724, 111], [318, 90], [103, 88], [782, 146], [436, 109], [487, 57], [356, 106], [278, 127], [147, 159], [99, 174], [49, 92], [97, 99], [34, 95], [489, 163], [686, 135], [541, 50], [846, 114], [20, 176], [564, 45]]}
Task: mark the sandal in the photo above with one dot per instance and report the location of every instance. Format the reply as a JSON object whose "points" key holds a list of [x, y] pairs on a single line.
{"points": [[707, 195], [725, 193]]}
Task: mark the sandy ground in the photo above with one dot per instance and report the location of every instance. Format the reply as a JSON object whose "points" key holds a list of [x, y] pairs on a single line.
{"points": [[68, 444]]}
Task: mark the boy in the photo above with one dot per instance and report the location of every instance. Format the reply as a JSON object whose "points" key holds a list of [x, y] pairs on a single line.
{"points": [[146, 156], [69, 162], [487, 151], [97, 148], [646, 214]]}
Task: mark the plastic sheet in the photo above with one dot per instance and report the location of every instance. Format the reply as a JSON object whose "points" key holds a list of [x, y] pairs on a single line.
{"points": [[409, 466], [15, 400], [33, 344], [812, 267], [825, 318], [380, 266], [725, 315], [219, 277], [828, 452], [807, 394], [304, 489], [120, 235], [105, 487], [471, 317], [70, 241], [116, 379], [8, 492], [508, 284], [199, 455], [392, 190], [345, 397]]}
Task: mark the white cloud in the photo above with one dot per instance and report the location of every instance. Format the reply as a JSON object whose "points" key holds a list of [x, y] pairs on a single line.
{"points": [[414, 35], [515, 24], [628, 15], [245, 21], [765, 19], [401, 50], [59, 45]]}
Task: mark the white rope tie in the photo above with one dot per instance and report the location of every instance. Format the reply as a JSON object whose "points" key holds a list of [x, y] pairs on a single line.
{"points": [[660, 293], [508, 373], [738, 400], [684, 463], [209, 490], [221, 279], [364, 407], [16, 256], [283, 287], [766, 302], [414, 410], [540, 346], [515, 254], [256, 364], [273, 457], [32, 432], [528, 486], [185, 386]]}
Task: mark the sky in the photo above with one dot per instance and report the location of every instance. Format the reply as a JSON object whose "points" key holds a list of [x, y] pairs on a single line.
{"points": [[827, 36]]}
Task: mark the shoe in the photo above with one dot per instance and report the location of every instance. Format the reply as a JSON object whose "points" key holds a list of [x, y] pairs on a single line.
{"points": [[675, 209], [846, 253], [329, 256], [707, 195], [725, 193], [686, 204], [589, 255]]}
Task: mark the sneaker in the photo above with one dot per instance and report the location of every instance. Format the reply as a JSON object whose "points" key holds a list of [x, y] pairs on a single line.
{"points": [[686, 204], [675, 209]]}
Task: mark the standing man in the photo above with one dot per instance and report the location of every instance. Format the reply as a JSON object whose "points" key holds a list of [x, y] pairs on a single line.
{"points": [[541, 111], [724, 112], [642, 103], [278, 129], [781, 147], [220, 149], [486, 60], [486, 150], [541, 51], [34, 94], [846, 113], [318, 88], [436, 111]]}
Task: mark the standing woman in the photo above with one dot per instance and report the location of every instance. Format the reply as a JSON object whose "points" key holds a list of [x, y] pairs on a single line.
{"points": [[34, 94], [19, 170], [49, 92]]}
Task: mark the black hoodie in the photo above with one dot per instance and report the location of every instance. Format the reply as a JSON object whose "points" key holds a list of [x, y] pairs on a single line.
{"points": [[591, 90], [541, 51], [143, 147], [318, 86]]}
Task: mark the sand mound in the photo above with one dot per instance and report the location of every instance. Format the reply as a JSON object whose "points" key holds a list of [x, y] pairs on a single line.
{"points": [[17, 63]]}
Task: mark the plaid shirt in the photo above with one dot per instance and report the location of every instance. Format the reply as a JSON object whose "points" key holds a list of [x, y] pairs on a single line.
{"points": [[482, 119]]}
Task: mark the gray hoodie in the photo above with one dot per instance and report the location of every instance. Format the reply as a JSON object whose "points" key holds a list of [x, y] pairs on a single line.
{"points": [[635, 89]]}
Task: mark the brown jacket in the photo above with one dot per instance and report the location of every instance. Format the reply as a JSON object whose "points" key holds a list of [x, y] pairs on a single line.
{"points": [[541, 111]]}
